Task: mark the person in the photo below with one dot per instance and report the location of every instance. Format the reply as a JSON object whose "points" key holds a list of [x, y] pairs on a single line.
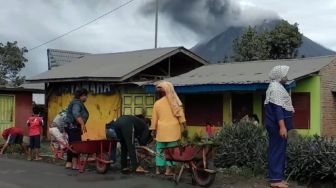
{"points": [[34, 123], [210, 130], [255, 120], [242, 116], [168, 121], [129, 128], [76, 118], [112, 135], [13, 135], [278, 121], [57, 130]]}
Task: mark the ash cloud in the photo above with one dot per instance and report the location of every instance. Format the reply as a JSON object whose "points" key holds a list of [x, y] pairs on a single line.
{"points": [[208, 18]]}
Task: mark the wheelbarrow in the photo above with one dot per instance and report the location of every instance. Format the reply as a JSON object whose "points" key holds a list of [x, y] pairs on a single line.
{"points": [[196, 158], [101, 149]]}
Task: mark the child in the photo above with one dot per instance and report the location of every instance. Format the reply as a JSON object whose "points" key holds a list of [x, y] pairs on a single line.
{"points": [[210, 130], [255, 120], [13, 135], [34, 123]]}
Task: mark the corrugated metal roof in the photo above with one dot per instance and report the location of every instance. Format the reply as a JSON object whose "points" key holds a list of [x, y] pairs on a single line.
{"points": [[111, 66], [58, 57], [249, 72], [34, 88]]}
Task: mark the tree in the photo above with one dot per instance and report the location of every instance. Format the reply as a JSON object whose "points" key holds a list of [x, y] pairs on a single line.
{"points": [[250, 46], [12, 60], [282, 42]]}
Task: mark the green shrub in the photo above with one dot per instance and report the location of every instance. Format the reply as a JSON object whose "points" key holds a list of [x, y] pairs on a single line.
{"points": [[242, 145], [312, 159]]}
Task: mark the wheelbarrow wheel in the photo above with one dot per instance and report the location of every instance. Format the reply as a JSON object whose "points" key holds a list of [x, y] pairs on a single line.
{"points": [[102, 167], [201, 177]]}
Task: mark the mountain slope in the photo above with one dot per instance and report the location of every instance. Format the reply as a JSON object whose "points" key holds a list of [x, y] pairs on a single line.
{"points": [[220, 46]]}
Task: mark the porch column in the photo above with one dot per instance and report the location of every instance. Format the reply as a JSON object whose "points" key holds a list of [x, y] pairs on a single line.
{"points": [[258, 105], [227, 108]]}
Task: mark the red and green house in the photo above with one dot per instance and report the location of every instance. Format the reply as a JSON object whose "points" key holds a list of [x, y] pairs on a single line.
{"points": [[223, 93]]}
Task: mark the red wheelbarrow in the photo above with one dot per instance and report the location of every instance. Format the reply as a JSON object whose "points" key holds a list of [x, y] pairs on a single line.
{"points": [[101, 149], [196, 158]]}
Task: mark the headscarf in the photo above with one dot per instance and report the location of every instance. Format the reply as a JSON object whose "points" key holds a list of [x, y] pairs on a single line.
{"points": [[174, 101], [276, 92]]}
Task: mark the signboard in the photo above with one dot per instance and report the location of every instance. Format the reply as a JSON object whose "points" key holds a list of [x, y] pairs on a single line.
{"points": [[92, 87]]}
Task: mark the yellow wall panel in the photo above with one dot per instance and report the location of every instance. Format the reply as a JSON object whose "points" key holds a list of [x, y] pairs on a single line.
{"points": [[102, 109]]}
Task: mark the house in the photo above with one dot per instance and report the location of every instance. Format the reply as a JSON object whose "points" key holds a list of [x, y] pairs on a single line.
{"points": [[16, 104], [114, 81], [224, 93]]}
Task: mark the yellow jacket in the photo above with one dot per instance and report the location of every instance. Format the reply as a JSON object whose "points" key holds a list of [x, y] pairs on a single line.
{"points": [[167, 126]]}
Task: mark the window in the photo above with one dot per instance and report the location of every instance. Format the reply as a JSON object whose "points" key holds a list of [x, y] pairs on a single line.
{"points": [[301, 103], [242, 105], [200, 109], [135, 104], [7, 115]]}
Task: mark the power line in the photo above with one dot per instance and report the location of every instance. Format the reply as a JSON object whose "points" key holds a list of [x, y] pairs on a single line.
{"points": [[81, 26]]}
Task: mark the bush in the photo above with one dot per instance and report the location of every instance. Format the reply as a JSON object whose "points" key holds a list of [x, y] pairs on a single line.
{"points": [[242, 145], [312, 159]]}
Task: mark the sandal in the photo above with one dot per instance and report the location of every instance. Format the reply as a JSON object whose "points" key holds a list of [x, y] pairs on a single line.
{"points": [[68, 165], [142, 172], [38, 159], [285, 182], [126, 170], [157, 171], [169, 174], [279, 185]]}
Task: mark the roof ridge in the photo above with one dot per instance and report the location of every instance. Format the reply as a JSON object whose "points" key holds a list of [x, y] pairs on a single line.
{"points": [[61, 50], [272, 60], [143, 50]]}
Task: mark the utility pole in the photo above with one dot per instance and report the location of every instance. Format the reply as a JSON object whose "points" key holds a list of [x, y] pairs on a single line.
{"points": [[156, 22]]}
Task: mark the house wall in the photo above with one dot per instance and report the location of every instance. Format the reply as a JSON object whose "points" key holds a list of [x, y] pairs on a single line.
{"points": [[328, 99], [102, 108], [311, 85], [22, 108]]}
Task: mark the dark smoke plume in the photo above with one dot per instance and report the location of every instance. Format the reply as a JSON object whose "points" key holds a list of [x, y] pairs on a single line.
{"points": [[207, 17]]}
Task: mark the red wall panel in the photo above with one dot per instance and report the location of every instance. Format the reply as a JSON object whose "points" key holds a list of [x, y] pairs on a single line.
{"points": [[201, 109], [23, 108]]}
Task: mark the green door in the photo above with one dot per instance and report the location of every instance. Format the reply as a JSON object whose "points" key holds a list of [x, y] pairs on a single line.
{"points": [[7, 115]]}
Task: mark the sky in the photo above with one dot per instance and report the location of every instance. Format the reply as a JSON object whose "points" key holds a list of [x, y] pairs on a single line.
{"points": [[181, 23]]}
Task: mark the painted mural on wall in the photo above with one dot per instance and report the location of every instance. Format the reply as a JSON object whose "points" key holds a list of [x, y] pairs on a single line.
{"points": [[103, 104]]}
